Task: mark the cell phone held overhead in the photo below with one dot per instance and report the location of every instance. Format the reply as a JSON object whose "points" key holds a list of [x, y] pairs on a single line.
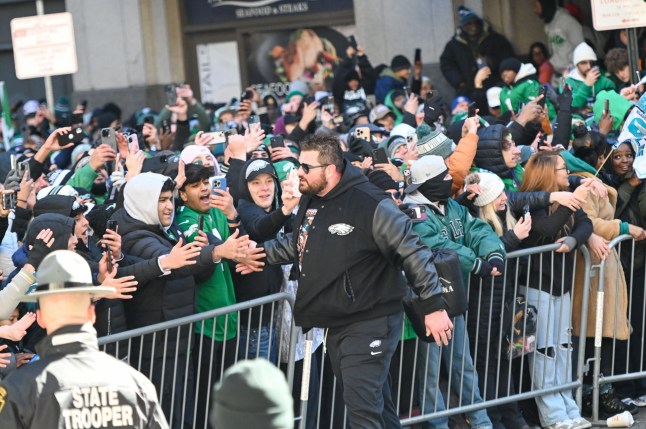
{"points": [[74, 136]]}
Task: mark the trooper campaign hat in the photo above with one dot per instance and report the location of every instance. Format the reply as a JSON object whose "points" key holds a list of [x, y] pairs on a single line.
{"points": [[64, 271]]}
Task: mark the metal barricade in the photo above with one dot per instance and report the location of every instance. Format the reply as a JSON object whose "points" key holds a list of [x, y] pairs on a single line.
{"points": [[478, 350], [185, 357], [625, 361], [481, 368], [478, 357]]}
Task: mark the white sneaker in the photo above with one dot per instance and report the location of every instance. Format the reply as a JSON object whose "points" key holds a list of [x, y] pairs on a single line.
{"points": [[565, 424], [580, 423], [640, 402]]}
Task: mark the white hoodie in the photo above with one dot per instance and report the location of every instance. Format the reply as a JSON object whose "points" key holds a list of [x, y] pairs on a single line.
{"points": [[141, 197], [564, 33]]}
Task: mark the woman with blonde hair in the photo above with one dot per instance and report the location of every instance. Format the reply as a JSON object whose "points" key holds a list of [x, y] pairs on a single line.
{"points": [[504, 211], [548, 286]]}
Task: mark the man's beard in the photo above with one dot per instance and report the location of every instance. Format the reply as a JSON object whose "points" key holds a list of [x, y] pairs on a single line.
{"points": [[313, 187]]}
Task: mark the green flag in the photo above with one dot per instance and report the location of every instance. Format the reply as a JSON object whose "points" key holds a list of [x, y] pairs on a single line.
{"points": [[7, 123]]}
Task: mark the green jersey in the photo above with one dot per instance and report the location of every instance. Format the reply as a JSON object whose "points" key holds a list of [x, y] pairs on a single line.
{"points": [[217, 291]]}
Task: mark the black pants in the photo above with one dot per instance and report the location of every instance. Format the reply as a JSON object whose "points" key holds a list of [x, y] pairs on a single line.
{"points": [[210, 359], [360, 355]]}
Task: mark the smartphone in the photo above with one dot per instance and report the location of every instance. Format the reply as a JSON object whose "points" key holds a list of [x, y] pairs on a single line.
{"points": [[133, 143], [217, 137], [108, 251], [22, 168], [8, 201], [417, 213], [108, 137], [379, 156], [253, 119], [542, 92], [165, 126], [171, 94], [406, 92], [329, 106], [76, 119], [74, 136], [418, 56], [246, 95], [353, 42], [277, 141], [472, 110], [362, 133], [112, 225], [407, 177], [526, 211], [219, 183], [481, 63], [200, 223], [606, 109], [12, 159]]}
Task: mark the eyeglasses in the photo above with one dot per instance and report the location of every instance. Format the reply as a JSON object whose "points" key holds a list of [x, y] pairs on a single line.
{"points": [[564, 168], [396, 195], [306, 167]]}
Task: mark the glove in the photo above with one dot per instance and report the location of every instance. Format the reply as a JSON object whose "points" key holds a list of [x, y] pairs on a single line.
{"points": [[12, 182], [481, 268], [433, 108], [37, 253], [118, 178], [565, 99], [496, 262]]}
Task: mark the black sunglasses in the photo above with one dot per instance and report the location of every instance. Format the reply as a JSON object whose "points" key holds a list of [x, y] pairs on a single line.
{"points": [[397, 195], [306, 167]]}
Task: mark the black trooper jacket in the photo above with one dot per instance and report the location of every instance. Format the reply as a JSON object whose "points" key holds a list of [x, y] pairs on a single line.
{"points": [[356, 247], [74, 385]]}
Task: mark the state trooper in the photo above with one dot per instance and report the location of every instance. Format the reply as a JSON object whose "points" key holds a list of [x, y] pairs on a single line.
{"points": [[73, 384]]}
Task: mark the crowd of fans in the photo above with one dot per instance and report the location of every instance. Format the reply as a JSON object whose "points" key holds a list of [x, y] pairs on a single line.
{"points": [[171, 208]]}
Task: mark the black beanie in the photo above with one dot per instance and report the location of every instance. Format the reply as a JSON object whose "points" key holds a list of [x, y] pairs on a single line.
{"points": [[399, 62], [549, 10], [509, 64]]}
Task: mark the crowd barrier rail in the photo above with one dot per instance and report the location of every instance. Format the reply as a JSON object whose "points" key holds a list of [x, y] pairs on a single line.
{"points": [[178, 386], [486, 336], [625, 361]]}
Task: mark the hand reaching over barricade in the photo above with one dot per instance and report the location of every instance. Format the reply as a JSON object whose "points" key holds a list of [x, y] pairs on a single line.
{"points": [[18, 330]]}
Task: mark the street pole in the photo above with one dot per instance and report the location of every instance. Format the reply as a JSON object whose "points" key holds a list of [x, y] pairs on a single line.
{"points": [[49, 91], [633, 55]]}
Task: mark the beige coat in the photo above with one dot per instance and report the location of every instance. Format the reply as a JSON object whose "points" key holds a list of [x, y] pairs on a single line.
{"points": [[601, 212]]}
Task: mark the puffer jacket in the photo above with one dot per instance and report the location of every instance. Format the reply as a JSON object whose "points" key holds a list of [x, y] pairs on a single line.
{"points": [[489, 157], [167, 297]]}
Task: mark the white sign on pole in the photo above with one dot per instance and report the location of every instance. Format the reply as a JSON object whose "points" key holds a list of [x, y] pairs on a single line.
{"points": [[219, 71], [43, 45], [618, 14]]}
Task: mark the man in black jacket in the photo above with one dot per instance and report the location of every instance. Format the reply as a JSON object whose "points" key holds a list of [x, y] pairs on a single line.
{"points": [[350, 244], [474, 47]]}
